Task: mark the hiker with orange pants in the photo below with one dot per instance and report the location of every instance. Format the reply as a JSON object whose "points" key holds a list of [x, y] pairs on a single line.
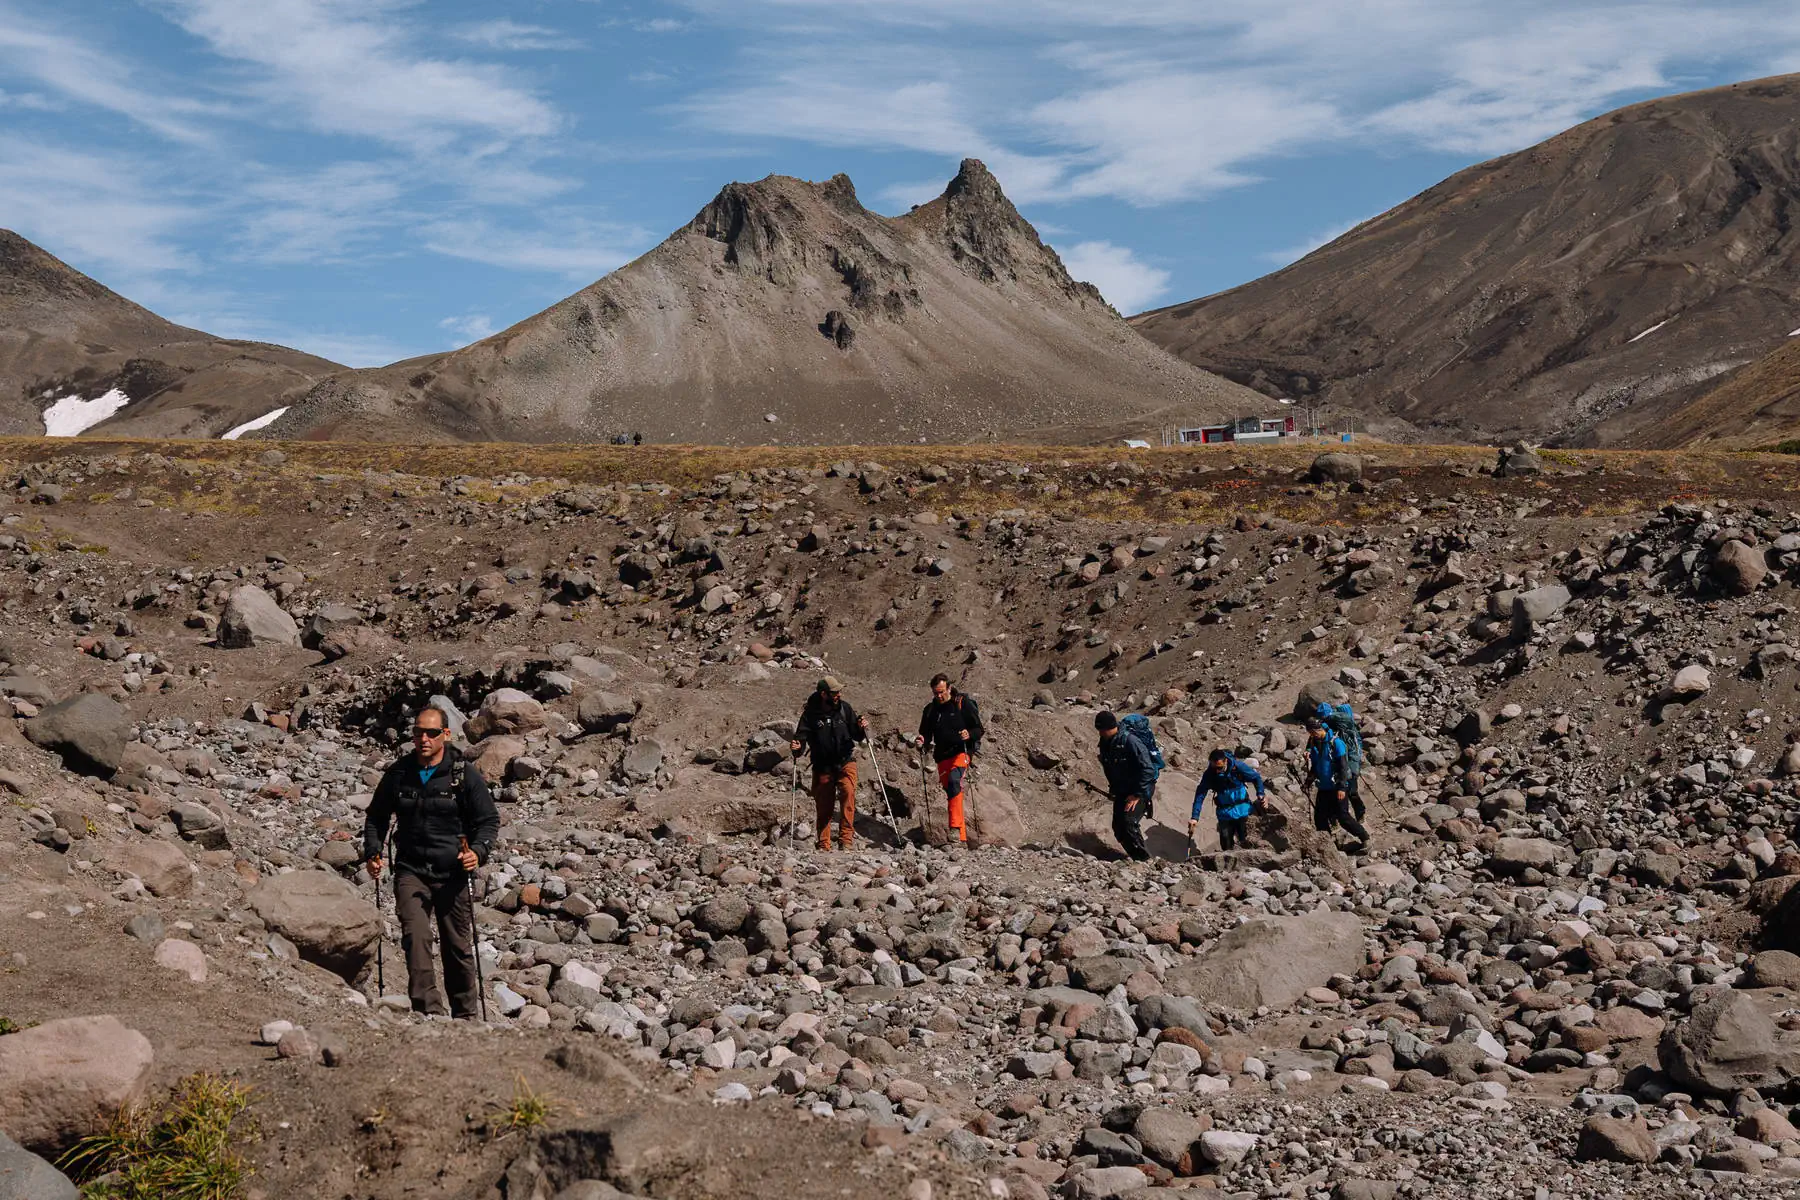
{"points": [[830, 729], [951, 724]]}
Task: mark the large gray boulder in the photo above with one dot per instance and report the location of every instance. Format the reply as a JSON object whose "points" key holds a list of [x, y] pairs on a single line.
{"points": [[321, 913], [87, 732], [1320, 691], [67, 1079], [1271, 960], [1512, 855], [160, 866], [326, 620], [253, 618], [506, 710], [1336, 467], [603, 711], [1533, 608], [1729, 1044], [27, 1176], [1739, 568]]}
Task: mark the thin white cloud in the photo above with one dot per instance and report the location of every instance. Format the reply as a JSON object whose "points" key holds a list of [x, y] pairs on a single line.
{"points": [[1159, 101], [511, 35], [1128, 283], [569, 245], [350, 67], [89, 76], [319, 216], [471, 327], [97, 211]]}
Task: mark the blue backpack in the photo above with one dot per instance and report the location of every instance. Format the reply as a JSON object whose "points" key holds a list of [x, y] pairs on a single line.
{"points": [[1137, 727], [1342, 721]]}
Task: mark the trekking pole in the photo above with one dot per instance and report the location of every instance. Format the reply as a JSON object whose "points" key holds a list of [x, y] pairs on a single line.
{"points": [[793, 812], [886, 800], [381, 926], [475, 942]]}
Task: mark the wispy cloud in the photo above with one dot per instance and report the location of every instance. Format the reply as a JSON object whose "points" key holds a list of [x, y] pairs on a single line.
{"points": [[568, 244], [99, 210], [1159, 101], [471, 327], [511, 35], [346, 67], [86, 75], [1128, 283]]}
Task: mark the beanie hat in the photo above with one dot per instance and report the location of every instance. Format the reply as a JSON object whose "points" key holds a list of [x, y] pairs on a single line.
{"points": [[1105, 721]]}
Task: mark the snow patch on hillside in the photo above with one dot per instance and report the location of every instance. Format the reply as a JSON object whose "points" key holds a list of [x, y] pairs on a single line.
{"points": [[262, 422], [70, 415]]}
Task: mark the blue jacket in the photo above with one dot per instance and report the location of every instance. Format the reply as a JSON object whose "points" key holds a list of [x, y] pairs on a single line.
{"points": [[1231, 786], [1330, 761]]}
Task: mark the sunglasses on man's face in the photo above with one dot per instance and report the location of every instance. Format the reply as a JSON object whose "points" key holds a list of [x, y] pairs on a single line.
{"points": [[428, 733]]}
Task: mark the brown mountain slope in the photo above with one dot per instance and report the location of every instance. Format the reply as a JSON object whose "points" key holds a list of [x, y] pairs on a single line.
{"points": [[1514, 298], [63, 334], [1756, 406], [952, 323]]}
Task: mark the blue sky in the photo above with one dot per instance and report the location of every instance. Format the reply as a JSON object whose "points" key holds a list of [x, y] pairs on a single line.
{"points": [[375, 179]]}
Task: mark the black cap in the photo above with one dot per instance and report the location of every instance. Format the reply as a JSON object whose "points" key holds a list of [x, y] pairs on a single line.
{"points": [[1105, 721], [1219, 755]]}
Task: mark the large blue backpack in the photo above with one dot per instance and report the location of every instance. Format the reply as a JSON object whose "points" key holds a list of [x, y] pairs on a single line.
{"points": [[1137, 727], [1342, 721]]}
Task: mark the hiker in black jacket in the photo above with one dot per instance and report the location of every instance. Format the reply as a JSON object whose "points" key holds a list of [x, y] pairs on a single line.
{"points": [[1130, 781], [951, 723], [445, 824], [830, 729]]}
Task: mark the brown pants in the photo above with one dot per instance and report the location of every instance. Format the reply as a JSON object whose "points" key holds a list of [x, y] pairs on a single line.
{"points": [[827, 789], [416, 901]]}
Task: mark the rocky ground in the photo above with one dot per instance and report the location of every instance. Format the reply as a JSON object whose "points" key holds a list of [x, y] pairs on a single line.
{"points": [[1564, 967]]}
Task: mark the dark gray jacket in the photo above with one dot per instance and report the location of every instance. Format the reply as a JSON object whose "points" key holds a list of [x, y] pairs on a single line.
{"points": [[1129, 771], [430, 819]]}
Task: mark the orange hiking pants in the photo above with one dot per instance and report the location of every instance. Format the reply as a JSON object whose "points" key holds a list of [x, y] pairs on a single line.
{"points": [[950, 777], [828, 788]]}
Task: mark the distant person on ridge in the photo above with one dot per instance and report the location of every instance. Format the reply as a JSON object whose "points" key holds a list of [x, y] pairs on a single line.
{"points": [[1328, 773], [445, 824], [1230, 782], [1130, 782], [829, 728], [951, 723]]}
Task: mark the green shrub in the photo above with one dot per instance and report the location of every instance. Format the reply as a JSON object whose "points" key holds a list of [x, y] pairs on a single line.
{"points": [[186, 1151]]}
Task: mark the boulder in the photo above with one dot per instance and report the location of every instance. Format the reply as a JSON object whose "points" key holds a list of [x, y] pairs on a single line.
{"points": [[323, 916], [1512, 855], [182, 956], [87, 732], [1170, 1137], [602, 712], [64, 1080], [1336, 467], [506, 710], [328, 619], [1613, 1139], [1533, 608], [1689, 683], [1271, 960], [1730, 1043], [1739, 567], [26, 1176], [1321, 691], [994, 818], [492, 755], [253, 618], [641, 761], [162, 868], [1776, 968], [1519, 460]]}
